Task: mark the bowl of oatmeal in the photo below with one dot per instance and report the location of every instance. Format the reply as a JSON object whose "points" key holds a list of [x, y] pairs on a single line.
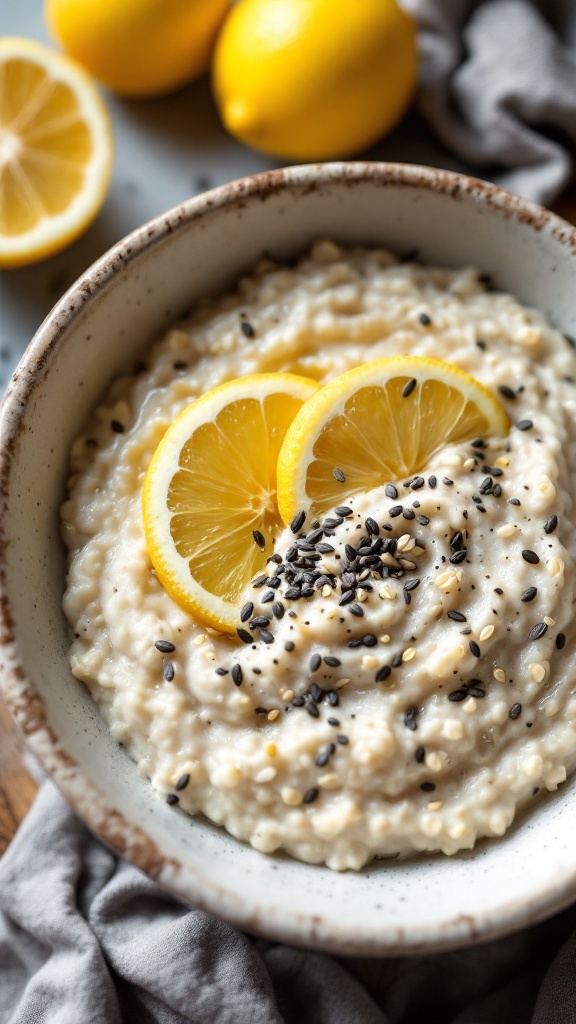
{"points": [[384, 764]]}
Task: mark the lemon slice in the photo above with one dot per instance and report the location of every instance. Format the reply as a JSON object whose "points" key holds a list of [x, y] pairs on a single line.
{"points": [[379, 422], [209, 499], [56, 152]]}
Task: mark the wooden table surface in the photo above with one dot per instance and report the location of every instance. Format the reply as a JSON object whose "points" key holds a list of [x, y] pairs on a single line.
{"points": [[17, 787]]}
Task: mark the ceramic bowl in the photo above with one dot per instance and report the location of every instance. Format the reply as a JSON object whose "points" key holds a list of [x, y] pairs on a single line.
{"points": [[102, 324]]}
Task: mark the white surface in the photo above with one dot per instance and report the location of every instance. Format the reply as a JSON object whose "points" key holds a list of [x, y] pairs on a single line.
{"points": [[167, 150], [392, 906]]}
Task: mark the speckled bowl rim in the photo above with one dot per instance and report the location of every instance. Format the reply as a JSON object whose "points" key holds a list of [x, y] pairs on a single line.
{"points": [[25, 703]]}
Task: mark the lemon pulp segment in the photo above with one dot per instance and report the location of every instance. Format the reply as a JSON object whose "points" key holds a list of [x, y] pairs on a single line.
{"points": [[379, 422], [55, 152], [211, 484]]}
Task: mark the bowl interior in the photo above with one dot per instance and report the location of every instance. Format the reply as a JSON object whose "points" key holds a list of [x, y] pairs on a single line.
{"points": [[100, 327]]}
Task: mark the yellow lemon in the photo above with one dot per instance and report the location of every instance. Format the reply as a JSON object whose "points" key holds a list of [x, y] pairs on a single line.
{"points": [[56, 152], [314, 79], [376, 423], [209, 499], [138, 47]]}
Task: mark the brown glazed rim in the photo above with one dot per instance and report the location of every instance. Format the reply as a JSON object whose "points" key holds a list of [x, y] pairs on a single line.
{"points": [[26, 705]]}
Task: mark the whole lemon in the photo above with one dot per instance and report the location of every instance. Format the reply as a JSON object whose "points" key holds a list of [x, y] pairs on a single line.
{"points": [[314, 79], [138, 47]]}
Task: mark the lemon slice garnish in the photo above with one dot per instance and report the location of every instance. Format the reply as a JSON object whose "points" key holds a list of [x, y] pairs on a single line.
{"points": [[56, 152], [376, 423], [209, 499]]}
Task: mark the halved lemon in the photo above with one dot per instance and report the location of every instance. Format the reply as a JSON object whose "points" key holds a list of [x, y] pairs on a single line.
{"points": [[209, 499], [376, 423], [56, 151]]}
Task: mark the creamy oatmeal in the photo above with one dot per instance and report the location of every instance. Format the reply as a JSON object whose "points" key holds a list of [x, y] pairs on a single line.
{"points": [[412, 687]]}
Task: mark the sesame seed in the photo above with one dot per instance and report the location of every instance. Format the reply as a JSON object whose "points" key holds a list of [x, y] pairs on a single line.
{"points": [[515, 711], [432, 481], [409, 654], [164, 646], [246, 612], [315, 662], [507, 391], [247, 329], [258, 621], [420, 755], [409, 513], [168, 672], [372, 527], [458, 556], [298, 521], [383, 673], [333, 721], [475, 650], [524, 425], [356, 610], [172, 799], [395, 511], [311, 795], [529, 594], [530, 556], [289, 646], [476, 691], [342, 740], [391, 491], [417, 483], [312, 710], [182, 782], [423, 520], [331, 661], [446, 480], [222, 671], [551, 524], [499, 675], [343, 511], [560, 641], [410, 719], [486, 633], [259, 539], [245, 636], [457, 695], [424, 319], [428, 787], [369, 640], [339, 475], [409, 388], [411, 584], [538, 631], [456, 616], [236, 674], [513, 501], [117, 427], [259, 581]]}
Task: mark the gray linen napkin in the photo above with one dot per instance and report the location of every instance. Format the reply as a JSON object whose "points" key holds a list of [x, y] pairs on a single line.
{"points": [[498, 86], [87, 939]]}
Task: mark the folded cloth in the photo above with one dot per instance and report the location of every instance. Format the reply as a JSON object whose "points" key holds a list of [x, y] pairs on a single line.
{"points": [[87, 939], [498, 86]]}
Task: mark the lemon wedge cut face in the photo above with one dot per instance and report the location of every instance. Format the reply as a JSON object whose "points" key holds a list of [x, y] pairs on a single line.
{"points": [[209, 499], [56, 152], [377, 423]]}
